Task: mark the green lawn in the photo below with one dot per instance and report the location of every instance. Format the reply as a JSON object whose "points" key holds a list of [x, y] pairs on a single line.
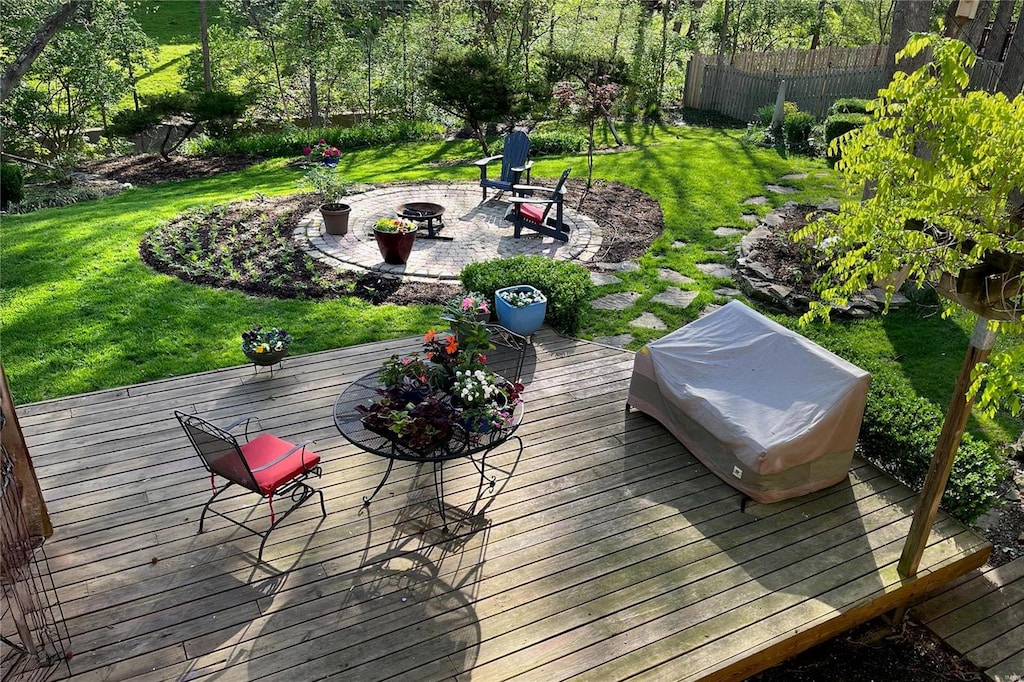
{"points": [[80, 312]]}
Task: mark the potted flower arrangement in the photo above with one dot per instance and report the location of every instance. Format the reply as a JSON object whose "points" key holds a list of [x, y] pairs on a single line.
{"points": [[326, 154], [330, 186], [446, 398], [473, 308], [521, 308], [265, 347], [395, 238]]}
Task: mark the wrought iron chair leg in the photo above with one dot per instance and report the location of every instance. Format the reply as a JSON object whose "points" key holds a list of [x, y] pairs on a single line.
{"points": [[206, 507]]}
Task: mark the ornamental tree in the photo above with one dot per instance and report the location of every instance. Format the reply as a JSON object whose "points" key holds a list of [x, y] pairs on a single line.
{"points": [[941, 173]]}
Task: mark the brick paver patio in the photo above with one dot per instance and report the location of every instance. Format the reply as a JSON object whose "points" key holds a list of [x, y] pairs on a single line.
{"points": [[477, 229]]}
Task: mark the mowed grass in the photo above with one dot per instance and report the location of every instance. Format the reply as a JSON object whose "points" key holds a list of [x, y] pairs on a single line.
{"points": [[80, 311]]}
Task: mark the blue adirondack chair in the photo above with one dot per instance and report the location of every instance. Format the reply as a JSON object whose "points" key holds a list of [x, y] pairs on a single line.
{"points": [[513, 164]]}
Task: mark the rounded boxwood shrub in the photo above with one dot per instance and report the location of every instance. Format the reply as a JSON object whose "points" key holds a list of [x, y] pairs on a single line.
{"points": [[557, 142], [849, 105], [12, 184], [840, 124], [566, 285], [899, 433]]}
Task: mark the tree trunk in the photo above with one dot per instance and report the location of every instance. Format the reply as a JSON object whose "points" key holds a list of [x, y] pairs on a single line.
{"points": [[1000, 28], [664, 50], [611, 126], [481, 134], [969, 31], [314, 99], [204, 40], [1011, 81], [14, 72], [909, 16], [723, 34], [818, 25]]}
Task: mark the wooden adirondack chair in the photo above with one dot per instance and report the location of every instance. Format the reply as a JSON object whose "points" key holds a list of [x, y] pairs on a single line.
{"points": [[513, 164], [531, 211]]}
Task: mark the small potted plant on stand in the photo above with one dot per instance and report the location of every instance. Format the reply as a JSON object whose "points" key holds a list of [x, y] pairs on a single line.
{"points": [[521, 308], [266, 347], [395, 238], [330, 186]]}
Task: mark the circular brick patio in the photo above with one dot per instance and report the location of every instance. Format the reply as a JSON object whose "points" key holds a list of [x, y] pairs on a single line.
{"points": [[478, 232]]}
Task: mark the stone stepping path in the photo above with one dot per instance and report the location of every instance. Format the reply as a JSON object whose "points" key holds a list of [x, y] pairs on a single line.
{"points": [[727, 292], [674, 277], [781, 189], [716, 270], [624, 266], [679, 245], [675, 297], [794, 176], [728, 231], [600, 279], [755, 201], [750, 218], [649, 321], [617, 301]]}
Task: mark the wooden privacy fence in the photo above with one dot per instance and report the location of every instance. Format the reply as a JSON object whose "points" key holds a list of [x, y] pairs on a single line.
{"points": [[814, 79]]}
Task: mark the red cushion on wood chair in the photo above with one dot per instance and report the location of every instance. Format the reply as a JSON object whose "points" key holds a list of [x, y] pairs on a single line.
{"points": [[264, 449], [532, 212]]}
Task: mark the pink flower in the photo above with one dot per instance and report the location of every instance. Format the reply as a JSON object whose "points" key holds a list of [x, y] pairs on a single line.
{"points": [[481, 357], [307, 150], [483, 307], [467, 303]]}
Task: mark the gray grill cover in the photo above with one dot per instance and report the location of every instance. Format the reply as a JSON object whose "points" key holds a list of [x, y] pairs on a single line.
{"points": [[770, 412]]}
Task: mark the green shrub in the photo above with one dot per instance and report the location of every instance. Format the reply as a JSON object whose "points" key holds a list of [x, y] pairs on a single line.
{"points": [[566, 285], [837, 125], [129, 122], [849, 105], [291, 142], [797, 127], [899, 434], [12, 184], [764, 114], [556, 142]]}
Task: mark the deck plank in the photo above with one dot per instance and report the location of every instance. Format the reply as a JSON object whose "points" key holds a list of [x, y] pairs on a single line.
{"points": [[608, 551]]}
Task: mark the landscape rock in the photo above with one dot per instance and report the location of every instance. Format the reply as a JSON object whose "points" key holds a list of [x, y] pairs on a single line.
{"points": [[619, 341], [751, 218], [678, 298], [624, 266], [617, 301], [670, 275], [599, 279], [728, 231], [649, 321], [755, 201], [781, 189], [727, 292], [716, 270], [794, 176]]}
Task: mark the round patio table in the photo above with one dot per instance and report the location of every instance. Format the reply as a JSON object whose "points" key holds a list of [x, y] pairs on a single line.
{"points": [[462, 444]]}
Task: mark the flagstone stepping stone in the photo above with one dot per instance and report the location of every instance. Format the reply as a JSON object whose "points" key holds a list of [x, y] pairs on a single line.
{"points": [[716, 270], [708, 309], [755, 201], [624, 266], [619, 341], [675, 297], [774, 219], [781, 189], [728, 231], [829, 205], [750, 218], [679, 245], [674, 277], [649, 321], [599, 279], [617, 301], [794, 176], [728, 292]]}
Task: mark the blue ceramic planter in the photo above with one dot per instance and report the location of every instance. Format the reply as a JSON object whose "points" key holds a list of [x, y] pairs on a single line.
{"points": [[524, 321]]}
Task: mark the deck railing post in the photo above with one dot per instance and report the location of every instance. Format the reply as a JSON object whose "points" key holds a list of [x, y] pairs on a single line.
{"points": [[981, 344]]}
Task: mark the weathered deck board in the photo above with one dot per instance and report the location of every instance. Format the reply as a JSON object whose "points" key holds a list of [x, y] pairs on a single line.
{"points": [[982, 617], [607, 552]]}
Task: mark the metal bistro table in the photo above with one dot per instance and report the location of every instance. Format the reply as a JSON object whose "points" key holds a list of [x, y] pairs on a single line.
{"points": [[462, 444]]}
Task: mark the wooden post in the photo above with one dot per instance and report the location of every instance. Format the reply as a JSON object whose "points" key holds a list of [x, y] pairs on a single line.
{"points": [[13, 442], [981, 344]]}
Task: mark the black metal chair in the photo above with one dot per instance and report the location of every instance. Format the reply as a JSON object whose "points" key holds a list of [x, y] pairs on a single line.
{"points": [[513, 164], [530, 211], [267, 465]]}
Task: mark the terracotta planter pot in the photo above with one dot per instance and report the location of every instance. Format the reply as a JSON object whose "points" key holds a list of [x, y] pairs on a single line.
{"points": [[336, 218], [395, 247]]}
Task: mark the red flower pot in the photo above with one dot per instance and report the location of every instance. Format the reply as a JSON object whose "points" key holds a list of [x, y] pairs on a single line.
{"points": [[395, 247]]}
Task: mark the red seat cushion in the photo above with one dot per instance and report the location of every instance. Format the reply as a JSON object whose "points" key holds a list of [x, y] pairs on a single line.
{"points": [[265, 449], [531, 212]]}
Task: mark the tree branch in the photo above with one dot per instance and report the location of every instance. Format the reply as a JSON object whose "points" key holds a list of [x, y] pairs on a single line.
{"points": [[53, 23]]}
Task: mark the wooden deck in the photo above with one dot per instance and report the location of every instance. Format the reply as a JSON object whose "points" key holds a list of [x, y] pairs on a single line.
{"points": [[607, 552], [981, 615]]}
